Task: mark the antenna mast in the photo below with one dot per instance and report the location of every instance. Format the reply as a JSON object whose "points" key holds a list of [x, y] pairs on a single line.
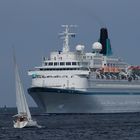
{"points": [[65, 35]]}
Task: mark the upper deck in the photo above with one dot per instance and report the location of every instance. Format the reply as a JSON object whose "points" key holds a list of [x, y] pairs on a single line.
{"points": [[80, 62]]}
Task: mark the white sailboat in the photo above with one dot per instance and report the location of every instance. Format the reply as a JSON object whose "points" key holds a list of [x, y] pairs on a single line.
{"points": [[23, 118]]}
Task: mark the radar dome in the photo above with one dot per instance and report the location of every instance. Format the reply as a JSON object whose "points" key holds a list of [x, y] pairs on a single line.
{"points": [[97, 47], [80, 47]]}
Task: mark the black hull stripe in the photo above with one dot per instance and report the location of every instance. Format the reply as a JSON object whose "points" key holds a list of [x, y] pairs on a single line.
{"points": [[70, 91]]}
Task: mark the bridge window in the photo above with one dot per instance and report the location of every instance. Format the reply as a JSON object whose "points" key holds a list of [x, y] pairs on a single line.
{"points": [[62, 63], [73, 63], [50, 63], [55, 63], [68, 63]]}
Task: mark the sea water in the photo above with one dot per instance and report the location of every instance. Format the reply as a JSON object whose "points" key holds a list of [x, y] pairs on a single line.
{"points": [[125, 126]]}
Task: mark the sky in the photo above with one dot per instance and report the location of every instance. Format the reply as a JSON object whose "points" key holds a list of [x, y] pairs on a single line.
{"points": [[32, 27]]}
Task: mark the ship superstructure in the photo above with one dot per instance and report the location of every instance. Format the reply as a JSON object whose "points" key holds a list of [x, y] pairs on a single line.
{"points": [[85, 82]]}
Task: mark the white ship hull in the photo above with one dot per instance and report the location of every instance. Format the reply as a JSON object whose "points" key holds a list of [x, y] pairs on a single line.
{"points": [[54, 100]]}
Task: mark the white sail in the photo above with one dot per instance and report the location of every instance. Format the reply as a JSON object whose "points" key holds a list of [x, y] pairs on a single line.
{"points": [[21, 102]]}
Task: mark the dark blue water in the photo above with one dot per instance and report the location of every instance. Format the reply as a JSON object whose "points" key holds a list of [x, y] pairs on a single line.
{"points": [[124, 126]]}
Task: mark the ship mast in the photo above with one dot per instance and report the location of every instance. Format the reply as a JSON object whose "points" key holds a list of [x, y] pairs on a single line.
{"points": [[65, 36]]}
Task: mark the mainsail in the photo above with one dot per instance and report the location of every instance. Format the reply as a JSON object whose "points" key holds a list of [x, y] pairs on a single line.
{"points": [[21, 102]]}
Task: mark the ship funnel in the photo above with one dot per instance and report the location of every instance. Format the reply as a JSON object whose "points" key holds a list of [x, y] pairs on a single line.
{"points": [[105, 41]]}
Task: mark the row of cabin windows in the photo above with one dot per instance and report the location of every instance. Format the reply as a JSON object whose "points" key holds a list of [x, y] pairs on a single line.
{"points": [[50, 76], [91, 57], [56, 69], [61, 63], [111, 64]]}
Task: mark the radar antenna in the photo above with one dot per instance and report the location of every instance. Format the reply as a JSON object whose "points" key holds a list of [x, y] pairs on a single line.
{"points": [[65, 35]]}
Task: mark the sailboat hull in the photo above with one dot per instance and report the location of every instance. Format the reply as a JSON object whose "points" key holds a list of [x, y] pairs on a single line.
{"points": [[25, 124], [20, 124]]}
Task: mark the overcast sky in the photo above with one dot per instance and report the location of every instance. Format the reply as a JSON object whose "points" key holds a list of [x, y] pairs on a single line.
{"points": [[32, 26]]}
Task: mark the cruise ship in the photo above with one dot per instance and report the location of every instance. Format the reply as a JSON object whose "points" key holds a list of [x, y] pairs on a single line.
{"points": [[85, 82]]}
